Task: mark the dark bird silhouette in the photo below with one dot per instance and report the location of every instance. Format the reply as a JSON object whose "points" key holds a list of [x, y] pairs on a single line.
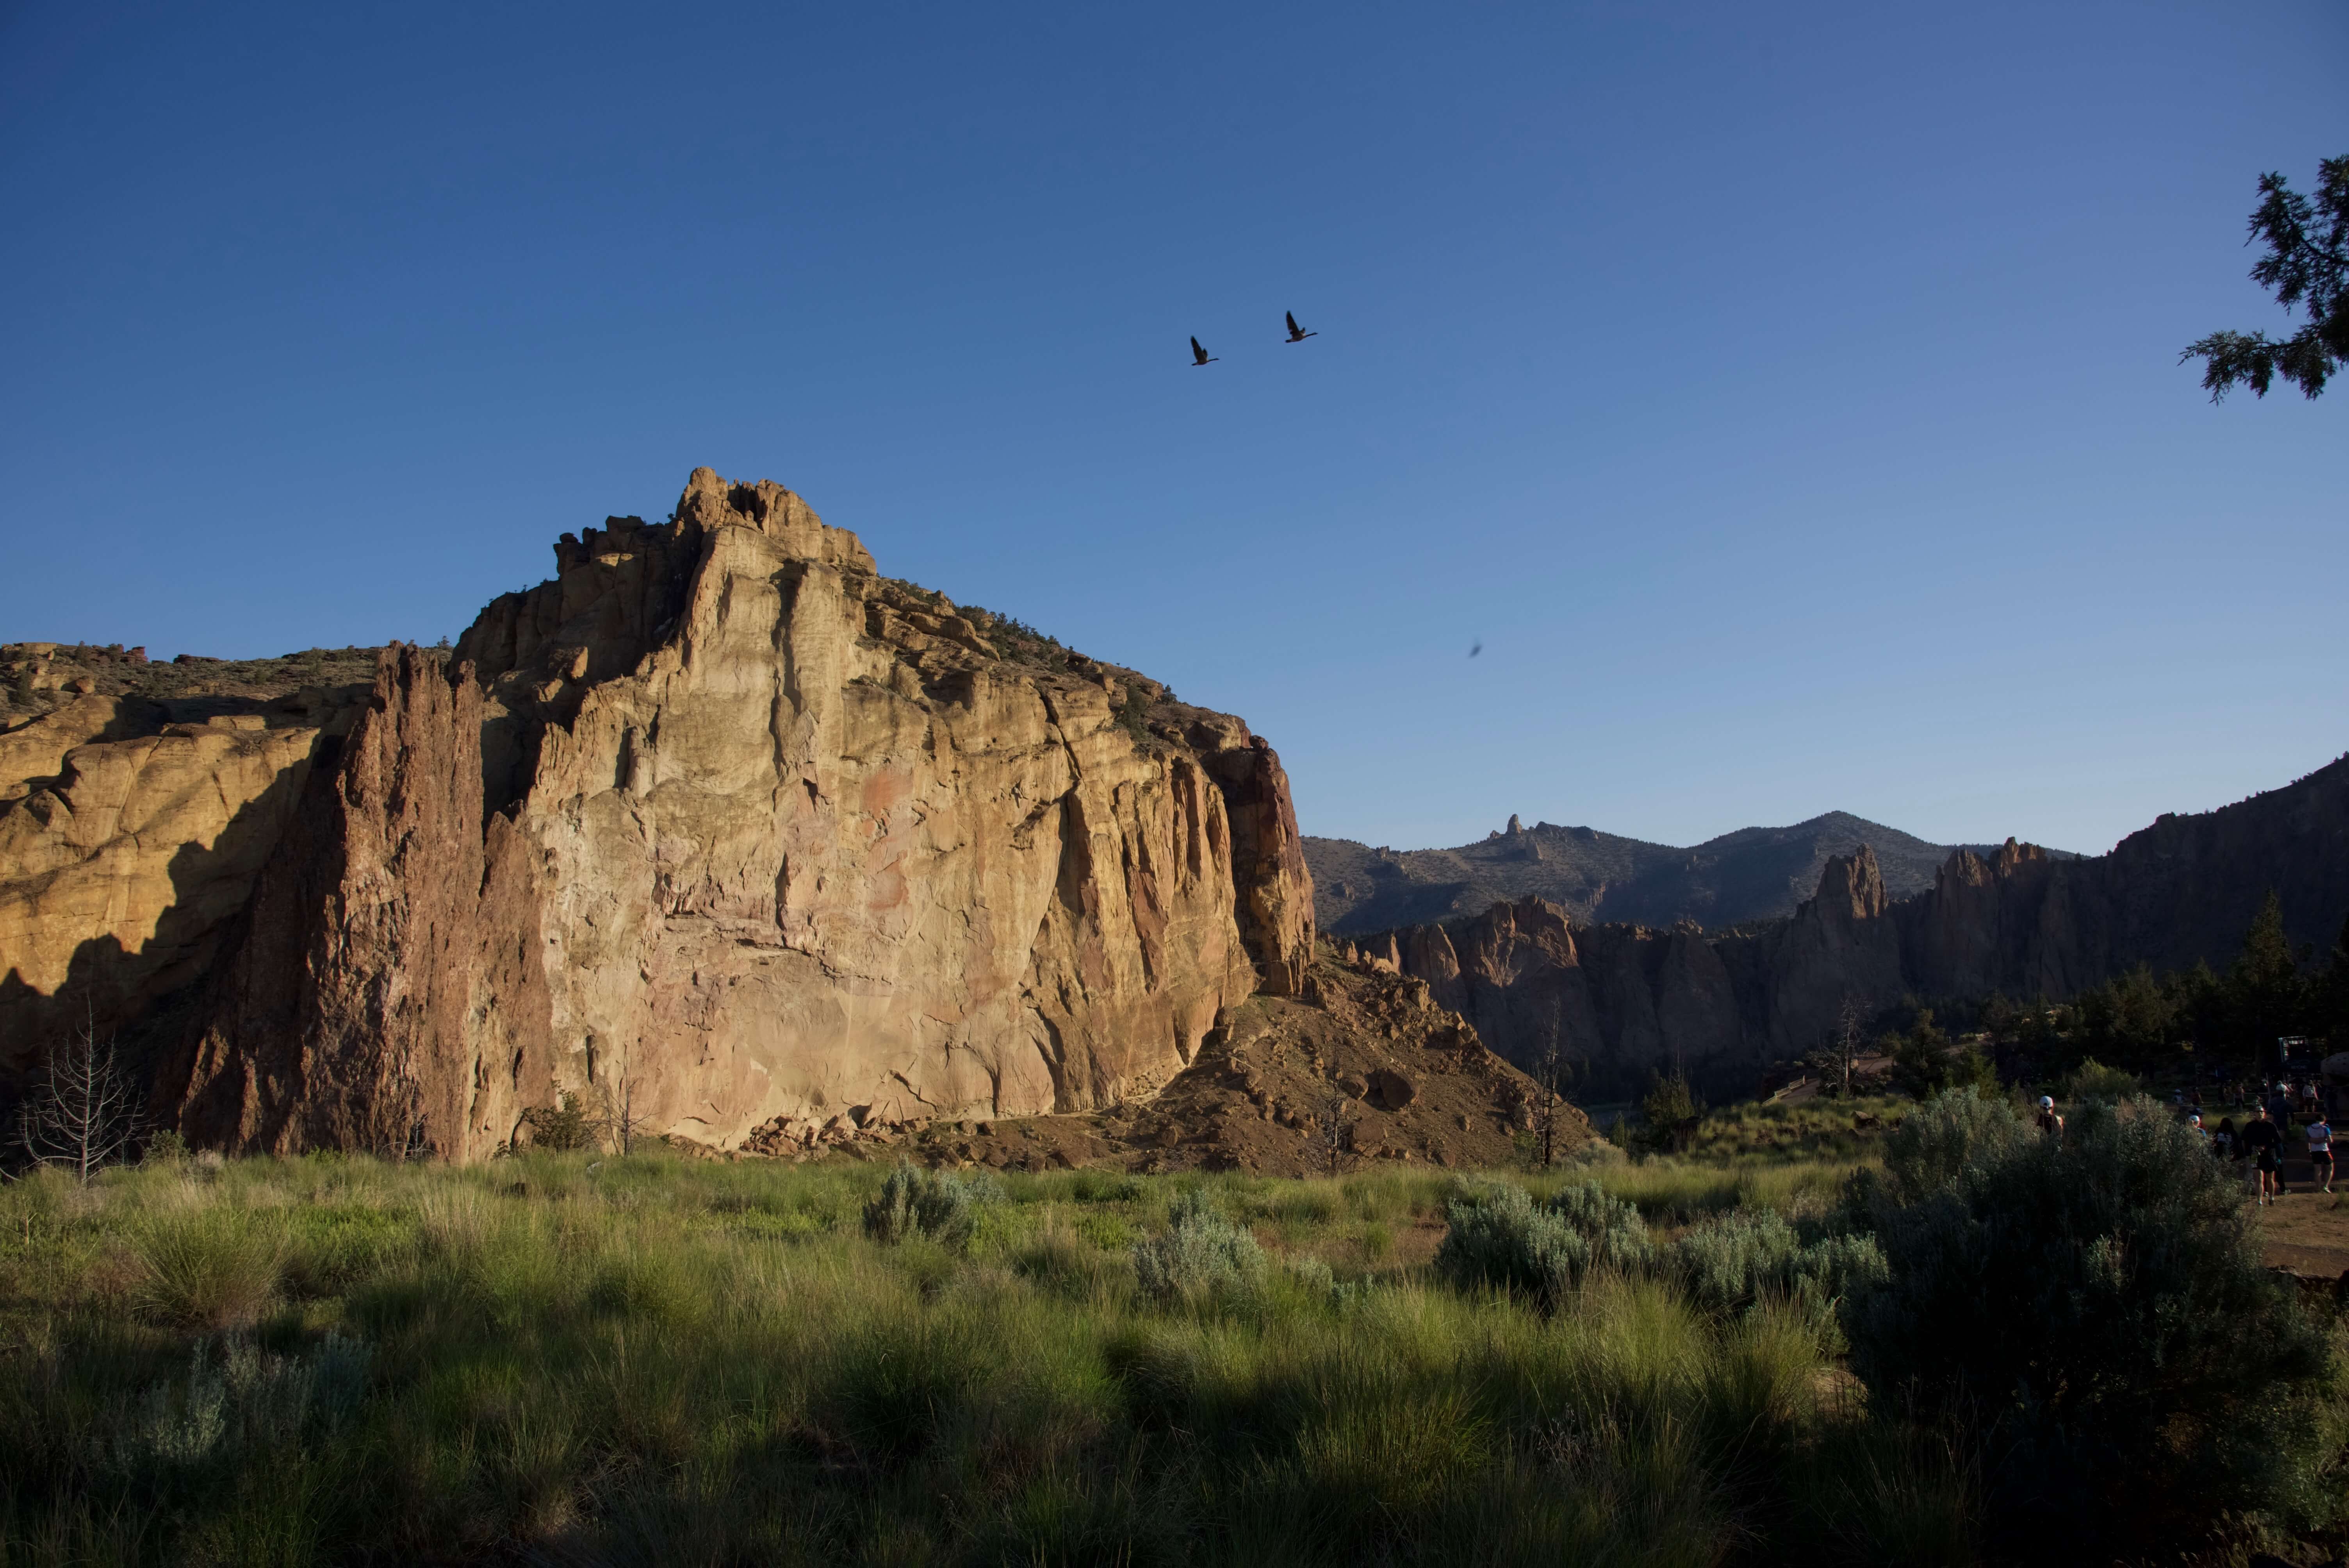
{"points": [[1199, 355], [1296, 333], [1475, 648]]}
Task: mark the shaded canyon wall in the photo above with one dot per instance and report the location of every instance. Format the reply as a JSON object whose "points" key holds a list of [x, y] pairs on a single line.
{"points": [[1626, 1001]]}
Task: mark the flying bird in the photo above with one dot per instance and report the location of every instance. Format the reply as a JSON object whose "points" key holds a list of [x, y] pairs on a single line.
{"points": [[1296, 333], [1199, 355], [1476, 647]]}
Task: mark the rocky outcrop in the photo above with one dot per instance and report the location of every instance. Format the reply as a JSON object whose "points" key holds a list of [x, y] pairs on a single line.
{"points": [[727, 834], [1373, 1060], [130, 838], [1626, 1001], [388, 990]]}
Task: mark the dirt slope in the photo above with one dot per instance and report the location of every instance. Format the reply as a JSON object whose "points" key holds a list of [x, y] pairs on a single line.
{"points": [[1411, 1080]]}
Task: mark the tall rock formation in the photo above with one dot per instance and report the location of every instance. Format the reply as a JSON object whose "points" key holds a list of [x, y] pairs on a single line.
{"points": [[721, 828], [1626, 1001]]}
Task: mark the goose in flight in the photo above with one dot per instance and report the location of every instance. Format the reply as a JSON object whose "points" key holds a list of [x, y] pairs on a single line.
{"points": [[1296, 333], [1199, 355]]}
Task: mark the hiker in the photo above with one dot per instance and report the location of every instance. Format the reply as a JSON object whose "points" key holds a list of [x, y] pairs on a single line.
{"points": [[2263, 1139], [2049, 1123], [2320, 1153], [2195, 1124], [2222, 1142]]}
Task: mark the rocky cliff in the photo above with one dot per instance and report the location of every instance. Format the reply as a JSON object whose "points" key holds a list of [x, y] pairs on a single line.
{"points": [[719, 829], [1624, 1001], [1751, 874]]}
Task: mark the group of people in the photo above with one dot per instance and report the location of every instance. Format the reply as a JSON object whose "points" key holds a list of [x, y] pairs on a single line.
{"points": [[2261, 1141]]}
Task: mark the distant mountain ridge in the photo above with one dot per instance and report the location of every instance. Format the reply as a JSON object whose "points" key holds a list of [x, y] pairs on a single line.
{"points": [[1753, 873], [1623, 1001]]}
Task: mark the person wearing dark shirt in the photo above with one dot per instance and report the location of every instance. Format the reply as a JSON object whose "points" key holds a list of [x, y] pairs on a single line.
{"points": [[2263, 1138]]}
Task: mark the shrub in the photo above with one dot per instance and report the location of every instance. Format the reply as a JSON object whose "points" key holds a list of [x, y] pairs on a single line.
{"points": [[1947, 1136], [915, 1203], [1599, 1154], [1735, 1260], [1200, 1254], [565, 1127], [1500, 1236], [2092, 1080], [2096, 1308], [236, 1399]]}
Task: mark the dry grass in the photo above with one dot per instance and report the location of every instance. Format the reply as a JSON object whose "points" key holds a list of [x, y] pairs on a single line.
{"points": [[655, 1361]]}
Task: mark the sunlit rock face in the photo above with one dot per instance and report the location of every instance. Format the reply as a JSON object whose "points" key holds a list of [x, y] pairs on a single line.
{"points": [[129, 844], [721, 829]]}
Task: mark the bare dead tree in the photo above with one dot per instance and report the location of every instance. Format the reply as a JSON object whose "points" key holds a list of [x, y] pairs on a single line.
{"points": [[83, 1112], [1550, 1075], [621, 1120], [1330, 1123], [1837, 1058], [1847, 1035]]}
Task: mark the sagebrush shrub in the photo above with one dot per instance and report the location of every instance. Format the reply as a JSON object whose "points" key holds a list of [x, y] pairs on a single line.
{"points": [[1200, 1254], [918, 1203], [2096, 1307], [1500, 1236], [1735, 1260], [238, 1398], [2094, 1080], [1947, 1136]]}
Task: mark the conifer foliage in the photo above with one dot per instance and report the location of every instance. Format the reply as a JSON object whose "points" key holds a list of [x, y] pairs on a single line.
{"points": [[2306, 265]]}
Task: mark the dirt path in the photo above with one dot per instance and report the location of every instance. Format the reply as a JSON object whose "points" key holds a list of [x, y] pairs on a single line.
{"points": [[2306, 1231]]}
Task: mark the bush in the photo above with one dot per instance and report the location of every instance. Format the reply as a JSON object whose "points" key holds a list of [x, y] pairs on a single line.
{"points": [[2096, 1310], [915, 1203], [2092, 1080], [1736, 1260], [238, 1398], [1200, 1254], [1946, 1137], [564, 1128], [1500, 1236]]}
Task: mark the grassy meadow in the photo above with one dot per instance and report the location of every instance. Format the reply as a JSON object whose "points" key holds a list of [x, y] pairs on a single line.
{"points": [[568, 1359]]}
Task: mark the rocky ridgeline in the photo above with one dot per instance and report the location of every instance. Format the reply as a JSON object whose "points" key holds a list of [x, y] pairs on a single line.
{"points": [[1751, 875], [1622, 1000], [718, 829]]}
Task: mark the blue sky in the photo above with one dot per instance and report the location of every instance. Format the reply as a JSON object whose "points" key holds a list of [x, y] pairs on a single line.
{"points": [[1785, 396]]}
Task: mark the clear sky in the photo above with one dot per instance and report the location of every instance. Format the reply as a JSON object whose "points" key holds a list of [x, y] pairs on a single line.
{"points": [[1785, 396]]}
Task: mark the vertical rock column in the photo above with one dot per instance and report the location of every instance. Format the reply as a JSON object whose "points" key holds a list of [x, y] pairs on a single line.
{"points": [[349, 1016], [1274, 889]]}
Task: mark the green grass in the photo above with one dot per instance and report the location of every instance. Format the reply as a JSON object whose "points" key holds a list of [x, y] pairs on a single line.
{"points": [[661, 1361]]}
